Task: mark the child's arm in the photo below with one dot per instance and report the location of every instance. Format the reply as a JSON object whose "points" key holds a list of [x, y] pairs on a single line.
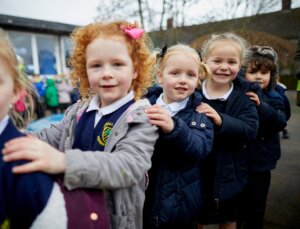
{"points": [[193, 141], [243, 126], [254, 97], [272, 116], [211, 113], [125, 166], [41, 156], [160, 117]]}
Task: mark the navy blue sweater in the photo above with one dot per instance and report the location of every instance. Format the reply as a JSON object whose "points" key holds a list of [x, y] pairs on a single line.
{"points": [[24, 196]]}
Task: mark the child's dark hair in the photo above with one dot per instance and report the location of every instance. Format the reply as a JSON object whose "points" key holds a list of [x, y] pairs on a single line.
{"points": [[264, 58], [139, 51]]}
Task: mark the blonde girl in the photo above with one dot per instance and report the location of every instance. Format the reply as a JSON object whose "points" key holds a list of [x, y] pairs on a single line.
{"points": [[22, 197], [235, 123], [174, 196]]}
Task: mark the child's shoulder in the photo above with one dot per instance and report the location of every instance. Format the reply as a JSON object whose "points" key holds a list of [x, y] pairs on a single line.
{"points": [[136, 112], [273, 94], [76, 109]]}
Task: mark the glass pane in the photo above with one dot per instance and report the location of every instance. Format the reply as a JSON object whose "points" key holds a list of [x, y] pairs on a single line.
{"points": [[68, 49], [22, 44], [46, 54]]}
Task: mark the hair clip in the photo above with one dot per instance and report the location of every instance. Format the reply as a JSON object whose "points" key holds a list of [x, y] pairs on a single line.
{"points": [[20, 105], [163, 51], [134, 33], [200, 56], [266, 51]]}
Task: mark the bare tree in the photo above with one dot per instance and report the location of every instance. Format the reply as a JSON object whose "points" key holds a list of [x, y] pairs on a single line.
{"points": [[154, 16], [117, 9], [229, 9]]}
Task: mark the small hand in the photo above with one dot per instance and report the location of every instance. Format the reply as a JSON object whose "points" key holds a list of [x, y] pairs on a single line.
{"points": [[160, 117], [254, 97], [40, 155], [210, 112]]}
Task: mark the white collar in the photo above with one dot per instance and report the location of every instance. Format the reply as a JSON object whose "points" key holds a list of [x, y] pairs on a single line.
{"points": [[95, 102], [3, 123], [174, 107], [222, 98]]}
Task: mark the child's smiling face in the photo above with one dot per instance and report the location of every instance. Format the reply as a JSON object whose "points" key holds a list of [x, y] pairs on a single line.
{"points": [[7, 92], [109, 69], [224, 61], [179, 77]]}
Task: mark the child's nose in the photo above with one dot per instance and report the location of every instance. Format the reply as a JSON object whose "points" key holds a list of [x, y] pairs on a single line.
{"points": [[224, 66], [182, 78], [107, 72], [257, 76]]}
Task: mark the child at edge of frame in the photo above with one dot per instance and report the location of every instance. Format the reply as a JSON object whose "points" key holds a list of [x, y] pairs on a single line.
{"points": [[262, 69], [20, 192]]}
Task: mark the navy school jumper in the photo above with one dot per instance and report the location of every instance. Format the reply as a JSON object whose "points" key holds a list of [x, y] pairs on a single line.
{"points": [[22, 196]]}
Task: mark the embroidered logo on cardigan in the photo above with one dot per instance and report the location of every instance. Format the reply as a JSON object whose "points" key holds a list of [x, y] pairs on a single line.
{"points": [[105, 133]]}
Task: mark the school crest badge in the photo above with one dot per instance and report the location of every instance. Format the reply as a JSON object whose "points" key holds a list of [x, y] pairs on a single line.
{"points": [[105, 133]]}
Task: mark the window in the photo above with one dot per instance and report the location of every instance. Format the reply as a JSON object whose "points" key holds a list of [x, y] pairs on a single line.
{"points": [[47, 54], [22, 43]]}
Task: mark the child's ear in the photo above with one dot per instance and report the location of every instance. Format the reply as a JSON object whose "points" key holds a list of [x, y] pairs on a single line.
{"points": [[159, 77], [16, 95], [135, 75]]}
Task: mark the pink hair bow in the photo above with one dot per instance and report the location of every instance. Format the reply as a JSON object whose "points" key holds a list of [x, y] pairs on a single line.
{"points": [[134, 33], [20, 105]]}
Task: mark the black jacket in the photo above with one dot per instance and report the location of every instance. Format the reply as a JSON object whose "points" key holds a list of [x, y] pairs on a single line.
{"points": [[265, 150], [226, 168], [175, 189]]}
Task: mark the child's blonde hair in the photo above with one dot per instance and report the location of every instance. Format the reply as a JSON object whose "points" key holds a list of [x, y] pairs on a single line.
{"points": [[241, 42], [163, 55], [139, 51], [9, 62]]}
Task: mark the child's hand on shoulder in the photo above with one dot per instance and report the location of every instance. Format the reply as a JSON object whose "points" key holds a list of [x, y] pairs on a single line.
{"points": [[160, 117], [41, 156], [210, 112], [254, 97]]}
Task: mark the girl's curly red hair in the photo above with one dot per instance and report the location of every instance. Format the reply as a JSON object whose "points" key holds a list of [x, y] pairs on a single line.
{"points": [[139, 51]]}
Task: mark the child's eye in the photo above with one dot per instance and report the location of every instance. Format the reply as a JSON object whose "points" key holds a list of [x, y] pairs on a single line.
{"points": [[118, 64], [192, 75], [232, 62], [175, 73], [96, 65]]}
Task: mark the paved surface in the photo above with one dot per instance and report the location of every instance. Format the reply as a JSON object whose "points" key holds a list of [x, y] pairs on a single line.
{"points": [[283, 206]]}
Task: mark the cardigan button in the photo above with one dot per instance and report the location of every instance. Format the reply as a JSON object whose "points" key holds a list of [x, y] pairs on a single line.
{"points": [[94, 216], [202, 125], [193, 123]]}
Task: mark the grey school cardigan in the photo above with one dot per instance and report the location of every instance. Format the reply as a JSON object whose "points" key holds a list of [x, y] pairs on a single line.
{"points": [[120, 170]]}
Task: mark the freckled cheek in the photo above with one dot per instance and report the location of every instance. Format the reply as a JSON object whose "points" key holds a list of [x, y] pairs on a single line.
{"points": [[94, 82]]}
